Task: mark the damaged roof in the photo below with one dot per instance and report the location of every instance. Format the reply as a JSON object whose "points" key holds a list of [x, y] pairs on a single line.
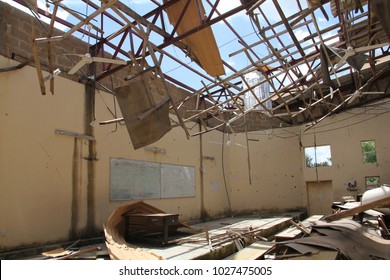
{"points": [[237, 65]]}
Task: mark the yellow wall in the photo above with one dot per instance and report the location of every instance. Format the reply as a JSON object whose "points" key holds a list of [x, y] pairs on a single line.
{"points": [[344, 133], [35, 163], [44, 176]]}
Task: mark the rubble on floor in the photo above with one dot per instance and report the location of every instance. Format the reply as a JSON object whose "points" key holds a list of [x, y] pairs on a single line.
{"points": [[139, 231], [356, 230]]}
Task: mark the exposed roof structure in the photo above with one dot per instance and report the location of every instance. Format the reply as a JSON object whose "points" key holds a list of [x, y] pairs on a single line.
{"points": [[240, 65]]}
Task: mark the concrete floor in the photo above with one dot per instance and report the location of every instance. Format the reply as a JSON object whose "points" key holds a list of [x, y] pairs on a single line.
{"points": [[188, 244]]}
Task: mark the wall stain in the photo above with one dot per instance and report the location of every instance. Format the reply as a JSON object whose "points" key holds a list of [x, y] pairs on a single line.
{"points": [[76, 185]]}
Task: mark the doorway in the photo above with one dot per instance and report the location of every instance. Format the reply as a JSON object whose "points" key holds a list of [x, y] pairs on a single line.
{"points": [[319, 197]]}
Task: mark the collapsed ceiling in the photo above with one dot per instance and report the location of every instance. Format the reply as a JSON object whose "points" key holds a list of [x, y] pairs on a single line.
{"points": [[236, 65]]}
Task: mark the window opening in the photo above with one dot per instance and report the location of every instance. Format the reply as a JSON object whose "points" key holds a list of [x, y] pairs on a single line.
{"points": [[318, 156], [372, 182], [369, 151]]}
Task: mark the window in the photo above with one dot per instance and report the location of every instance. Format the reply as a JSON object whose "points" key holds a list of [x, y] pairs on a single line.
{"points": [[372, 182], [318, 156], [368, 151]]}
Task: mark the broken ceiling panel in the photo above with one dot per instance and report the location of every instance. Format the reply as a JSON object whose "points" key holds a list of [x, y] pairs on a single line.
{"points": [[381, 8], [146, 120], [187, 15]]}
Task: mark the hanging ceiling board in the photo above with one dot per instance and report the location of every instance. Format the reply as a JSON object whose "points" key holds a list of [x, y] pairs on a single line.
{"points": [[382, 11], [202, 44], [134, 100]]}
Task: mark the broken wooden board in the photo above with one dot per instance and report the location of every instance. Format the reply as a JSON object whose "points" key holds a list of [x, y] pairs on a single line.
{"points": [[383, 202], [293, 232], [37, 62], [73, 255], [201, 249], [201, 44], [351, 205], [252, 252], [60, 252], [135, 100]]}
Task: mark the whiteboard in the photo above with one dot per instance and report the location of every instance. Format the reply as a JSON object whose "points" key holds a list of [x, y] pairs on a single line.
{"points": [[133, 180], [177, 181], [137, 180]]}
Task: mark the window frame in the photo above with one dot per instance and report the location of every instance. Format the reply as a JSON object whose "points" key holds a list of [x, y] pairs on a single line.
{"points": [[367, 154], [373, 186], [327, 163]]}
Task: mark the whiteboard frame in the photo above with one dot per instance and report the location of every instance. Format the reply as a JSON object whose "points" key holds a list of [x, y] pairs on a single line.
{"points": [[162, 181]]}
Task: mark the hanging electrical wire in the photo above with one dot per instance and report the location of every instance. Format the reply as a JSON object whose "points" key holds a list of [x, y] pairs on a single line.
{"points": [[224, 175]]}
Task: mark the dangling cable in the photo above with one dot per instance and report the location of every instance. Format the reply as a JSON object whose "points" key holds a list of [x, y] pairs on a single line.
{"points": [[223, 173], [315, 154]]}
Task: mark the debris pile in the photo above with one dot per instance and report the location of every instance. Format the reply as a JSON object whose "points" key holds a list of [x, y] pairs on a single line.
{"points": [[357, 230]]}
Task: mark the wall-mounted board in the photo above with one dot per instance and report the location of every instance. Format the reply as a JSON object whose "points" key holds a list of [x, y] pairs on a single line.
{"points": [[137, 180], [177, 181]]}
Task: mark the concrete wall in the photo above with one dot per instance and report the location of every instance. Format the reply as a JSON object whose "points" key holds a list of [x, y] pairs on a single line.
{"points": [[49, 193], [56, 188], [344, 133]]}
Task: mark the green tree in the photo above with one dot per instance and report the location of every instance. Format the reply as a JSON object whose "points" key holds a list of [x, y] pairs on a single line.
{"points": [[369, 151], [309, 161]]}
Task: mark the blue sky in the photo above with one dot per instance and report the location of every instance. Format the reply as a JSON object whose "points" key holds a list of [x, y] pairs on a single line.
{"points": [[226, 40], [319, 153]]}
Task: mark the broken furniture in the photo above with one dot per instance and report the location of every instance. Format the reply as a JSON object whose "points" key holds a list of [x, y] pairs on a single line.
{"points": [[144, 225]]}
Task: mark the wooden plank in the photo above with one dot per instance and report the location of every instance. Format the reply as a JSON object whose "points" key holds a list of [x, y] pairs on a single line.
{"points": [[142, 20], [56, 253], [252, 252], [78, 16], [37, 61], [293, 232], [49, 48], [301, 227], [351, 205], [383, 202], [202, 44], [201, 249], [80, 253], [89, 18]]}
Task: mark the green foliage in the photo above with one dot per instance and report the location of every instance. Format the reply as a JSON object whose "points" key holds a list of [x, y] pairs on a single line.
{"points": [[310, 162], [369, 151]]}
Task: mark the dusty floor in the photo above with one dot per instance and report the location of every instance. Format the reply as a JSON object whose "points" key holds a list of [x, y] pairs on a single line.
{"points": [[178, 249]]}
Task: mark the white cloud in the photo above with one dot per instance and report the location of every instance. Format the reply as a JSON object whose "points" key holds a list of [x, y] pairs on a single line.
{"points": [[227, 5], [228, 71], [301, 34], [60, 13]]}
